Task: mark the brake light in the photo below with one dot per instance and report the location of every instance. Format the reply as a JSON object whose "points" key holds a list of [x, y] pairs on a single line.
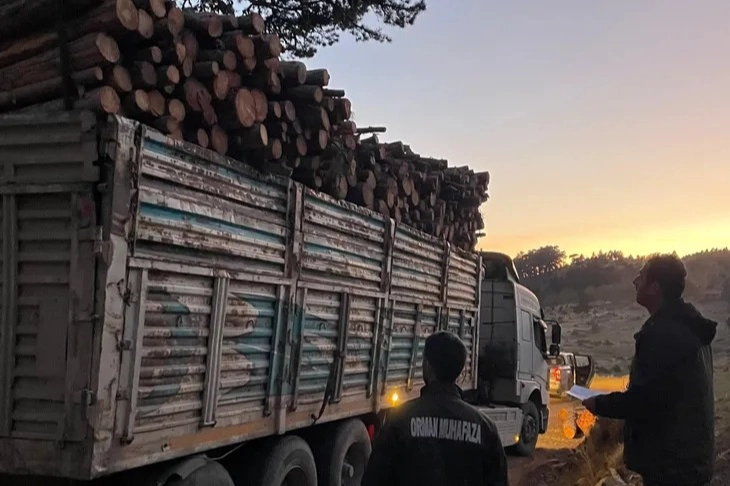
{"points": [[556, 373]]}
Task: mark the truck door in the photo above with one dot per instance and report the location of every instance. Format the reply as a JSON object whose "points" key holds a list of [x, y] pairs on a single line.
{"points": [[49, 225], [584, 370]]}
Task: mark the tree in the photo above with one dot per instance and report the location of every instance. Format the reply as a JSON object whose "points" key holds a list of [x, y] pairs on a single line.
{"points": [[305, 26], [540, 261]]}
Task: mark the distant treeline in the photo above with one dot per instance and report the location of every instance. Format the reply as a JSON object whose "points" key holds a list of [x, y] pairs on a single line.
{"points": [[558, 278]]}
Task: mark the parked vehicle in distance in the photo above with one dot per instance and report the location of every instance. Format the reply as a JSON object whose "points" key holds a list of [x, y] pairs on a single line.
{"points": [[568, 369]]}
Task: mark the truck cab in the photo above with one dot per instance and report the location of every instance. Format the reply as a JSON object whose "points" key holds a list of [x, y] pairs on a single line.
{"points": [[513, 354]]}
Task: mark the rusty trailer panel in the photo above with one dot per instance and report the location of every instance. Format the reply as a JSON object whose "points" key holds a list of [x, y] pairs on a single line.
{"points": [[208, 304]]}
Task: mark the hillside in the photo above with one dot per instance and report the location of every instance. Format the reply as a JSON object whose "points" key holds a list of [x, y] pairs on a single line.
{"points": [[594, 298]]}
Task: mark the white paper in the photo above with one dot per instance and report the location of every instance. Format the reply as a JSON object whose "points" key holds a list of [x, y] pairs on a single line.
{"points": [[581, 392]]}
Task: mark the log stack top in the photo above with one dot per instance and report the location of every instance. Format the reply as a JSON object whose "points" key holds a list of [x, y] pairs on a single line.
{"points": [[217, 81]]}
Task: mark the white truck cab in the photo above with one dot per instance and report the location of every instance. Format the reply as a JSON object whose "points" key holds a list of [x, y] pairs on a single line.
{"points": [[513, 355]]}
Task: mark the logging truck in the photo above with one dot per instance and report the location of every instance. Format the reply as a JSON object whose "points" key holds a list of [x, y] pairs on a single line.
{"points": [[173, 317]]}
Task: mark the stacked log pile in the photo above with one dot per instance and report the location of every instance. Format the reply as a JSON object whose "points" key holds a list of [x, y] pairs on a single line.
{"points": [[218, 81]]}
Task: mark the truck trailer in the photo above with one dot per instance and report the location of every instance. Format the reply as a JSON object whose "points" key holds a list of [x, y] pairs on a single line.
{"points": [[171, 316]]}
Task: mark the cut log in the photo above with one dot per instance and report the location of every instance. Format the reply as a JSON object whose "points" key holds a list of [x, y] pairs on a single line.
{"points": [[254, 137], [191, 45], [206, 24], [166, 124], [248, 64], [118, 78], [297, 147], [252, 24], [368, 178], [158, 103], [186, 68], [167, 75], [313, 117], [103, 100], [335, 185], [226, 59], [220, 87], [387, 193], [197, 136], [318, 77], [146, 25], [234, 79], [155, 7], [150, 54], [306, 93], [362, 195], [172, 25], [95, 49], [318, 141], [274, 111], [267, 46], [267, 81], [136, 104], [343, 109], [238, 42], [335, 93], [261, 105], [237, 111], [111, 17], [196, 95], [289, 111], [174, 54], [143, 75], [293, 73], [176, 109], [46, 90], [219, 140], [230, 22], [274, 149]]}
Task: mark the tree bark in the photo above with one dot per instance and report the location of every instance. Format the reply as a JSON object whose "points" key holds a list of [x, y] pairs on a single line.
{"points": [[151, 54], [166, 124], [226, 59], [305, 93], [20, 16], [136, 104], [204, 24], [254, 137], [237, 111], [197, 136], [143, 75], [267, 45], [252, 24], [293, 73], [94, 49], [206, 70], [46, 90], [237, 41], [318, 77]]}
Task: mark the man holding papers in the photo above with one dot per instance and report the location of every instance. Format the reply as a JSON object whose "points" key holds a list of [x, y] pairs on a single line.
{"points": [[668, 406]]}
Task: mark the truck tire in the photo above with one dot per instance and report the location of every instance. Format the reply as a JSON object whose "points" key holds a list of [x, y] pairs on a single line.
{"points": [[529, 431], [342, 454], [212, 474], [286, 460]]}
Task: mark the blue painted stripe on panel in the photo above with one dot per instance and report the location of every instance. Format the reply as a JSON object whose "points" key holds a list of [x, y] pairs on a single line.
{"points": [[161, 212]]}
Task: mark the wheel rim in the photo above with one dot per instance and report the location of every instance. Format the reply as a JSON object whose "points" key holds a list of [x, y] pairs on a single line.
{"points": [[295, 477], [353, 467], [529, 429]]}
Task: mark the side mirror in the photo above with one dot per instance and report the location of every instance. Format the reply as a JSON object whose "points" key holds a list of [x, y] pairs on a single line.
{"points": [[554, 350], [557, 333]]}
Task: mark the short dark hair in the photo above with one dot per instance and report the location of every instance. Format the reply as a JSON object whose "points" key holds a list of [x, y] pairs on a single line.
{"points": [[669, 272], [446, 355]]}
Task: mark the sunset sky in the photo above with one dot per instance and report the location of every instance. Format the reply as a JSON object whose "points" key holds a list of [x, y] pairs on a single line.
{"points": [[604, 124]]}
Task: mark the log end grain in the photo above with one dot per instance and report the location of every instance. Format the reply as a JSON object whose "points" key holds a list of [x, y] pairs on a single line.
{"points": [[146, 25]]}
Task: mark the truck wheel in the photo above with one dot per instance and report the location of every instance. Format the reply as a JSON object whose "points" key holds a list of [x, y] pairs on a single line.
{"points": [[289, 461], [342, 454], [212, 474], [530, 430]]}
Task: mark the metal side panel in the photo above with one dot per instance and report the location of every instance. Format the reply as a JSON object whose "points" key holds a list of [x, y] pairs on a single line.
{"points": [[464, 276], [418, 265], [343, 245], [199, 208], [463, 323], [409, 324]]}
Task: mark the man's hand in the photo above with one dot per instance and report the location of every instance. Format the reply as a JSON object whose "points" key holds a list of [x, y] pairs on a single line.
{"points": [[590, 404]]}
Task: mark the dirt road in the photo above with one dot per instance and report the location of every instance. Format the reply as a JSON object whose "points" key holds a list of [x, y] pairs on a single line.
{"points": [[550, 443]]}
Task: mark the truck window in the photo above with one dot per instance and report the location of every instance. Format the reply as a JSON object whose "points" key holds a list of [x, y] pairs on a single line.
{"points": [[540, 337], [526, 328], [582, 361]]}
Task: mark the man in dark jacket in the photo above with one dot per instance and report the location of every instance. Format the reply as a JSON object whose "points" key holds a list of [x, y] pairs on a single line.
{"points": [[668, 406], [438, 439]]}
